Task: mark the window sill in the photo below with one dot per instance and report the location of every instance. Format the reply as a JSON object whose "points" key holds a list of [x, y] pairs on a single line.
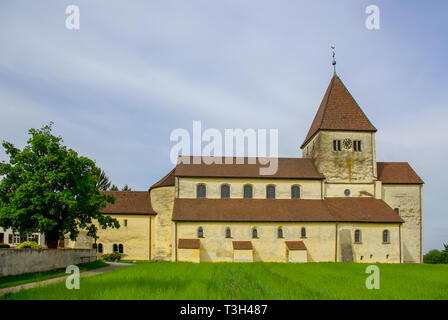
{"points": [[386, 243], [357, 242]]}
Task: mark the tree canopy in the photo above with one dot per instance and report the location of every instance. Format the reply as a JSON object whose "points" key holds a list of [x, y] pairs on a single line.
{"points": [[48, 188]]}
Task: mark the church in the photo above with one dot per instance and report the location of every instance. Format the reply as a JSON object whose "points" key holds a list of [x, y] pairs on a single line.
{"points": [[334, 204]]}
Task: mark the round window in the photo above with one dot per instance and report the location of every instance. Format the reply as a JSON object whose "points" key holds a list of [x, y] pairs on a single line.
{"points": [[347, 192]]}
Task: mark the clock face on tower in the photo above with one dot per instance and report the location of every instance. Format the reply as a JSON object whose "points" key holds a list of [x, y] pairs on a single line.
{"points": [[347, 143]]}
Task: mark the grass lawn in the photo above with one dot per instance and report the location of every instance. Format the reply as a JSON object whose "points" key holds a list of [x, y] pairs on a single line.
{"points": [[165, 280], [11, 281]]}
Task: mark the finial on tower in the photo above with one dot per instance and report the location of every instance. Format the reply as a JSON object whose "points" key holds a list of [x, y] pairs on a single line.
{"points": [[334, 60]]}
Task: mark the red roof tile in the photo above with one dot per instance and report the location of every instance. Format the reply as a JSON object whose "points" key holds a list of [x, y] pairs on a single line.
{"points": [[338, 111], [397, 172], [295, 245], [129, 202], [288, 168], [189, 244], [285, 210], [166, 181]]}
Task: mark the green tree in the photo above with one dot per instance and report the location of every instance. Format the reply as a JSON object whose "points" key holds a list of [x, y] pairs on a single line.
{"points": [[102, 182], [48, 188], [126, 188], [445, 253], [433, 257], [114, 188]]}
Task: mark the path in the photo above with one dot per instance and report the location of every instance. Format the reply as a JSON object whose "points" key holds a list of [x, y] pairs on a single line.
{"points": [[111, 266]]}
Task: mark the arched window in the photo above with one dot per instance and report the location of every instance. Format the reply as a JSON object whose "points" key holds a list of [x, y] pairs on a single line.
{"points": [[254, 233], [279, 232], [303, 233], [100, 248], [248, 192], [357, 236], [228, 233], [225, 191], [201, 191], [386, 236], [200, 232], [115, 247], [270, 192], [295, 192], [120, 248], [94, 246], [125, 222]]}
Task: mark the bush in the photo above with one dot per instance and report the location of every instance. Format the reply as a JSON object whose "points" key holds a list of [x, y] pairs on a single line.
{"points": [[29, 245], [433, 257], [4, 245], [115, 256]]}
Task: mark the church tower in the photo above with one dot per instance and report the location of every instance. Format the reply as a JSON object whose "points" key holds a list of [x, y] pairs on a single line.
{"points": [[341, 139]]}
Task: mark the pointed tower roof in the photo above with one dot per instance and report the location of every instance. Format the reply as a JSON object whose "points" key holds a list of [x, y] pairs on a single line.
{"points": [[338, 111]]}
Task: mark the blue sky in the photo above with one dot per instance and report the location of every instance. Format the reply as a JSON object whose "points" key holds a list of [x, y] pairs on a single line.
{"points": [[137, 70]]}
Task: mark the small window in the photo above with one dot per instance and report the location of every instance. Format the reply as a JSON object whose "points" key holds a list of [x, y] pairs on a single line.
{"points": [[100, 248], [225, 191], [357, 146], [228, 233], [270, 192], [248, 192], [279, 233], [200, 232], [397, 211], [125, 222], [120, 248], [94, 246], [295, 192], [115, 247], [337, 145], [201, 191], [386, 236], [254, 233], [303, 233], [357, 236]]}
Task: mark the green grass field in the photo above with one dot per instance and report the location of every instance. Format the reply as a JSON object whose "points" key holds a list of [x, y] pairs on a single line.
{"points": [[165, 280]]}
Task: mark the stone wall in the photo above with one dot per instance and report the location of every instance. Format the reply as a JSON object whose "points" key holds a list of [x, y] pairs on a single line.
{"points": [[18, 261]]}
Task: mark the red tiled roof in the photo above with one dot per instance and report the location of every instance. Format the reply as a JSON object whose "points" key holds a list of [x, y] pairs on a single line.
{"points": [[166, 181], [397, 172], [285, 210], [242, 245], [129, 202], [288, 168], [338, 111], [189, 244], [295, 245]]}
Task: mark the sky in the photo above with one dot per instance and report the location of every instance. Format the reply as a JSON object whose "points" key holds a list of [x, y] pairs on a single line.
{"points": [[137, 70]]}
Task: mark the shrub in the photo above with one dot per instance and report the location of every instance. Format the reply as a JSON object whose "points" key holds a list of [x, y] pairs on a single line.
{"points": [[4, 245], [29, 245], [114, 256], [433, 257]]}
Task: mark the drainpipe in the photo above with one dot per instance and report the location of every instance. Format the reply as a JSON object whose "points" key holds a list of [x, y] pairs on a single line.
{"points": [[174, 241], [399, 236], [336, 245]]}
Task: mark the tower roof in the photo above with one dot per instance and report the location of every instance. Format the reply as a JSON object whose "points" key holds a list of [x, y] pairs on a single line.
{"points": [[338, 111]]}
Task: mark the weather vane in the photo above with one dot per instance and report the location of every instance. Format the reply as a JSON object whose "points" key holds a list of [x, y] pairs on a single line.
{"points": [[334, 60]]}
